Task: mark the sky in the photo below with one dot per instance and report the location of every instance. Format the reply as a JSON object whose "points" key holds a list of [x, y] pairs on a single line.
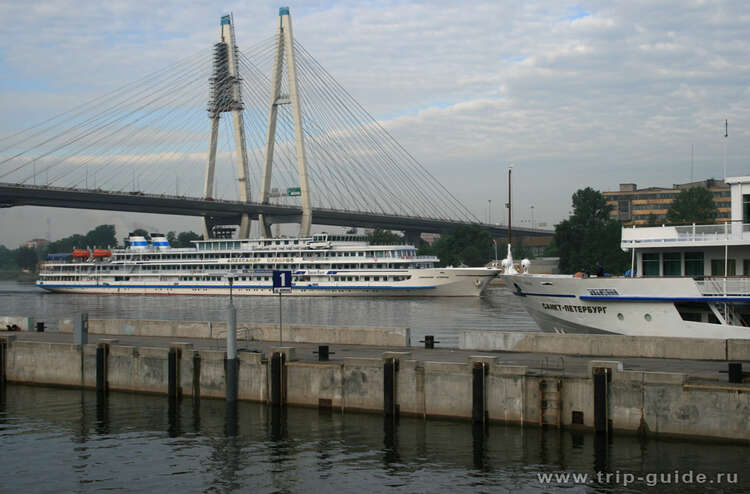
{"points": [[573, 94]]}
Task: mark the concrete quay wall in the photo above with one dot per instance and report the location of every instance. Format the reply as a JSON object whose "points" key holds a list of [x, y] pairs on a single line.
{"points": [[481, 386], [295, 333], [605, 345]]}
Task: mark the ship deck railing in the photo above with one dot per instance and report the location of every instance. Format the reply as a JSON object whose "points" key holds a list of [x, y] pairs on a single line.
{"points": [[729, 231], [720, 285]]}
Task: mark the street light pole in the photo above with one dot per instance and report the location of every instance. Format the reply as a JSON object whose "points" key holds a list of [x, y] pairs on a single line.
{"points": [[510, 212], [532, 217], [232, 374]]}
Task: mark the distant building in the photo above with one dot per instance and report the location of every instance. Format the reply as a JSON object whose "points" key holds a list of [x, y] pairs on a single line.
{"points": [[430, 238], [36, 243], [634, 206]]}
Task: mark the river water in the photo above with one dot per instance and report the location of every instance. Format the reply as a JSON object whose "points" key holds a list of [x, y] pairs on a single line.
{"points": [[63, 440], [442, 317]]}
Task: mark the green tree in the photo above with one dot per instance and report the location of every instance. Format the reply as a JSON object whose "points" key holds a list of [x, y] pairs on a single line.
{"points": [[425, 249], [184, 239], [26, 258], [7, 259], [519, 251], [693, 205], [67, 244], [384, 237], [102, 236], [590, 235], [551, 250], [469, 245]]}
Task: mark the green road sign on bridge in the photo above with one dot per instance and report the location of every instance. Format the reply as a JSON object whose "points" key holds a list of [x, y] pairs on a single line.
{"points": [[293, 191]]}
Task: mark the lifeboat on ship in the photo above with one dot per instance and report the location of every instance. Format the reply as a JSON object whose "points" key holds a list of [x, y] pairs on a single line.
{"points": [[81, 253], [99, 253]]}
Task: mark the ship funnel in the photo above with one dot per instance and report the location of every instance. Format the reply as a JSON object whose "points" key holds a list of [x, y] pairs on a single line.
{"points": [[137, 242], [159, 241]]}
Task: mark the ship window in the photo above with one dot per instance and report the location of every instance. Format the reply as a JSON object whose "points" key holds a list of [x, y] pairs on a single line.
{"points": [[650, 264], [693, 263], [746, 208], [672, 263], [717, 267]]}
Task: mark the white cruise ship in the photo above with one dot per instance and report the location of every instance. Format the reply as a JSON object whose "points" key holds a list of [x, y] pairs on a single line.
{"points": [[327, 265], [690, 281]]}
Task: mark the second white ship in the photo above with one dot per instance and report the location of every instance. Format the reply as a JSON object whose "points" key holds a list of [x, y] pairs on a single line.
{"points": [[327, 265]]}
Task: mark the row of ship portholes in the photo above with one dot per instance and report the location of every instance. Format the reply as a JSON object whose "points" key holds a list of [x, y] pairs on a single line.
{"points": [[647, 317]]}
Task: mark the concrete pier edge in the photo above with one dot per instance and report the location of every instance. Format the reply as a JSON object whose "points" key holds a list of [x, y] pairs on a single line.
{"points": [[656, 403]]}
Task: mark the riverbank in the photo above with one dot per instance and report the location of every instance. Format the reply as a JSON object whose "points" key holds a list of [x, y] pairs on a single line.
{"points": [[17, 275]]}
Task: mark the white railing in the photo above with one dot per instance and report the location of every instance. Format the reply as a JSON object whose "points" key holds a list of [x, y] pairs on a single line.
{"points": [[718, 286], [729, 231]]}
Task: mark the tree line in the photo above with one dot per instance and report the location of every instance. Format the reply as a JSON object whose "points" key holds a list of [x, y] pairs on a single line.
{"points": [[590, 234], [102, 237]]}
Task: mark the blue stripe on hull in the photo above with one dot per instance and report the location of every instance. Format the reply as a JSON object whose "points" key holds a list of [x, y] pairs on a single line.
{"points": [[665, 299], [236, 287], [527, 294]]}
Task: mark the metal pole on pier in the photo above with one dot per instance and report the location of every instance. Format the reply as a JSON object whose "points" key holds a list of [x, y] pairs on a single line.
{"points": [[281, 340], [231, 389], [510, 215], [726, 264]]}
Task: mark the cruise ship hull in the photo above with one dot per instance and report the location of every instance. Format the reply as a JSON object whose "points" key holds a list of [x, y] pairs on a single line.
{"points": [[631, 306], [437, 282]]}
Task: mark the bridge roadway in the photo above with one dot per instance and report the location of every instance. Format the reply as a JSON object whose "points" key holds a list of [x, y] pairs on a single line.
{"points": [[229, 211]]}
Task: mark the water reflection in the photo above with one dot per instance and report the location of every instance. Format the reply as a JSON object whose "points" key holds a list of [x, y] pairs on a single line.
{"points": [[174, 417], [390, 441], [440, 317], [134, 442], [479, 436], [102, 413]]}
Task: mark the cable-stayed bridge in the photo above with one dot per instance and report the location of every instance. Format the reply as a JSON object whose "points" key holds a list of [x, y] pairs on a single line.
{"points": [[279, 141]]}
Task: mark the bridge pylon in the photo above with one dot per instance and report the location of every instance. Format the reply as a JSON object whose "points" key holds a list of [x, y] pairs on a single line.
{"points": [[226, 97], [285, 46]]}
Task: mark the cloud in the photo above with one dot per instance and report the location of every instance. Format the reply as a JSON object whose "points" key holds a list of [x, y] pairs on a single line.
{"points": [[576, 94]]}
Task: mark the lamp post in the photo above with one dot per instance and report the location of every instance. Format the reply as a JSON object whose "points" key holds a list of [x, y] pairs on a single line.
{"points": [[232, 374], [532, 217], [510, 213]]}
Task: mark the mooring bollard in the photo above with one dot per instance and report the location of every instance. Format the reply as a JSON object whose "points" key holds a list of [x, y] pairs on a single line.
{"points": [[173, 387], [196, 377], [278, 396], [735, 372], [601, 419], [323, 353], [390, 368], [3, 358], [429, 342], [102, 351], [478, 401]]}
